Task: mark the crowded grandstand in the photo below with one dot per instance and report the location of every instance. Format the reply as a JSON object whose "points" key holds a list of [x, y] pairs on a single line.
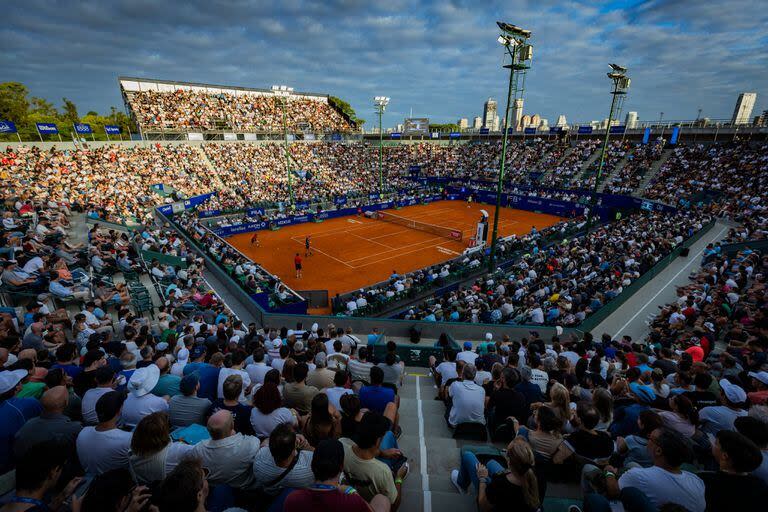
{"points": [[152, 360]]}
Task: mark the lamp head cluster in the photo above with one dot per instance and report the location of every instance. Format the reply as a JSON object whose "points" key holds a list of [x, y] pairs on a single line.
{"points": [[619, 76], [380, 101], [514, 40]]}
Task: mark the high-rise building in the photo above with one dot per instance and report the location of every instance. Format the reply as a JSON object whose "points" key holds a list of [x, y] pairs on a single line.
{"points": [[517, 114], [762, 119], [561, 121], [744, 105], [490, 112], [543, 123], [477, 122], [496, 124], [463, 123], [631, 120]]}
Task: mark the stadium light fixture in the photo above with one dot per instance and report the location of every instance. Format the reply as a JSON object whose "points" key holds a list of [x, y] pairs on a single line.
{"points": [[621, 82], [282, 92], [380, 104], [515, 42]]}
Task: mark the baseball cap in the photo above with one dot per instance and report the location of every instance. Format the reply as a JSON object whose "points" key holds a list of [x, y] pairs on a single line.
{"points": [[9, 380], [643, 393], [198, 351], [162, 346], [467, 345], [188, 383], [108, 405], [277, 343], [761, 376], [183, 355], [732, 392]]}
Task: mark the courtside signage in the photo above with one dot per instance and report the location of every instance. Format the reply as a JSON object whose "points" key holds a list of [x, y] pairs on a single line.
{"points": [[47, 128]]}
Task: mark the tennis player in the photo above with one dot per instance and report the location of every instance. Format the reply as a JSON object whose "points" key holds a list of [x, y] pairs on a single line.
{"points": [[255, 239], [297, 265], [307, 246], [469, 201]]}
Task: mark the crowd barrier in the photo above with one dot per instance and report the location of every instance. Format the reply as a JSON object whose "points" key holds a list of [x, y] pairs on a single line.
{"points": [[164, 259], [760, 246]]}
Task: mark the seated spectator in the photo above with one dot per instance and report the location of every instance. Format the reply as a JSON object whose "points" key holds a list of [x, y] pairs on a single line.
{"points": [[376, 397], [328, 461], [757, 432], [37, 480], [683, 417], [497, 487], [208, 373], [167, 384], [298, 395], [634, 447], [321, 377], [105, 382], [467, 400], [662, 484], [546, 438], [323, 421], [227, 455], [51, 425], [505, 403], [586, 442], [188, 408], [241, 412], [140, 401], [104, 447], [285, 463], [393, 370], [185, 489], [268, 413], [153, 454], [736, 457], [113, 491], [362, 467], [721, 417], [360, 368], [338, 390], [238, 362], [258, 368], [14, 413]]}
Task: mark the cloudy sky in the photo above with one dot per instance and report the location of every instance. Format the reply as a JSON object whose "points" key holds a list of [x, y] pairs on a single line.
{"points": [[439, 58]]}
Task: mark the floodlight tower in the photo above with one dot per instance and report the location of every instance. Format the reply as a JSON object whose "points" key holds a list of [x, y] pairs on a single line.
{"points": [[515, 42], [380, 104], [621, 81], [283, 92]]}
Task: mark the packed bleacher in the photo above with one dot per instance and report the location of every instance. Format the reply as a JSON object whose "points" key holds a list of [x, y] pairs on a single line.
{"points": [[199, 110], [569, 167], [638, 163], [564, 283]]}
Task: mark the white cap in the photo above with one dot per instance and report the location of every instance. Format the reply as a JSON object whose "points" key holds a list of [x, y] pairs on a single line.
{"points": [[558, 330], [732, 392], [488, 336], [183, 355], [761, 376], [314, 327], [8, 380]]}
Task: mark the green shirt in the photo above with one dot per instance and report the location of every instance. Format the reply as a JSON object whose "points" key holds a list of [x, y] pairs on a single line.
{"points": [[32, 390], [167, 385]]}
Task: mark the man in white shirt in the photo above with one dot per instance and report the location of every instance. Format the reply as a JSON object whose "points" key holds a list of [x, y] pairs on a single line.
{"points": [[34, 266], [104, 447], [238, 359], [141, 402], [468, 399], [467, 355], [105, 382], [258, 368], [338, 390]]}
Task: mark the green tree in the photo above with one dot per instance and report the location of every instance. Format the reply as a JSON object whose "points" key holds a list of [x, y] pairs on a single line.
{"points": [[43, 107], [13, 102], [70, 111], [347, 109]]}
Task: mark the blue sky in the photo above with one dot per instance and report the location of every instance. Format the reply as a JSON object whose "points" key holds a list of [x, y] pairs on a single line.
{"points": [[439, 58]]}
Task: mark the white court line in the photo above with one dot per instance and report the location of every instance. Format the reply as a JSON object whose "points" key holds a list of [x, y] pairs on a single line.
{"points": [[315, 249], [423, 453], [372, 241], [431, 240], [648, 302]]}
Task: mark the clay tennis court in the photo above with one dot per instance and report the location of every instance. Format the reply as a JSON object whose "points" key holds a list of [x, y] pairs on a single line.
{"points": [[353, 252]]}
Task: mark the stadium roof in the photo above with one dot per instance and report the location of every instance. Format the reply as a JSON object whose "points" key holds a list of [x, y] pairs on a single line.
{"points": [[122, 79]]}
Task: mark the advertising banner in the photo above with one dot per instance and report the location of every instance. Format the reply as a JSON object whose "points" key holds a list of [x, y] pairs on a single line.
{"points": [[83, 128], [112, 129], [585, 129], [7, 127], [50, 128]]}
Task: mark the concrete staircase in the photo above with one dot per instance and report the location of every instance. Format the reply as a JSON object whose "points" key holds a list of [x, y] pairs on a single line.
{"points": [[218, 184], [548, 171], [606, 178], [652, 172], [584, 172]]}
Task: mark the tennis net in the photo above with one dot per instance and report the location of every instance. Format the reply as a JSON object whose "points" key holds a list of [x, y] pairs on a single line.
{"points": [[453, 234]]}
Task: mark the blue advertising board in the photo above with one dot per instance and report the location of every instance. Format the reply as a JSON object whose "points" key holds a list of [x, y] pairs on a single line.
{"points": [[112, 129], [83, 128], [555, 129], [585, 129], [675, 135], [395, 135], [455, 135], [510, 130], [7, 127], [484, 131], [646, 135], [530, 131], [618, 129], [47, 128]]}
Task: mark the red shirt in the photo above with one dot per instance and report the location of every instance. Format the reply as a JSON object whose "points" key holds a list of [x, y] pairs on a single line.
{"points": [[697, 353], [304, 500], [297, 260]]}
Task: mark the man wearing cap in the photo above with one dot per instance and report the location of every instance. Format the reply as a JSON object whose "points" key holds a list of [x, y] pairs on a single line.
{"points": [[759, 381], [182, 358], [14, 413], [105, 447], [188, 408], [715, 418], [141, 402], [207, 373], [467, 355]]}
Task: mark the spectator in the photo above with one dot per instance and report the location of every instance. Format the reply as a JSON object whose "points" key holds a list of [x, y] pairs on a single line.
{"points": [[241, 412], [721, 417], [141, 402], [104, 447], [153, 454], [267, 412], [285, 463], [376, 397], [51, 425], [14, 413], [467, 400], [298, 395], [757, 432], [105, 382], [185, 489], [188, 408]]}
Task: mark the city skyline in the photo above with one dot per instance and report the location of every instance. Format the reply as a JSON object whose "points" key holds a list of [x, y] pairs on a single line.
{"points": [[440, 59]]}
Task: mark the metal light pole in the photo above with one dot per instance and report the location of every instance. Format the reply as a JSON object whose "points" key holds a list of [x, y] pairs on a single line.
{"points": [[282, 92], [514, 39], [620, 86], [380, 103]]}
